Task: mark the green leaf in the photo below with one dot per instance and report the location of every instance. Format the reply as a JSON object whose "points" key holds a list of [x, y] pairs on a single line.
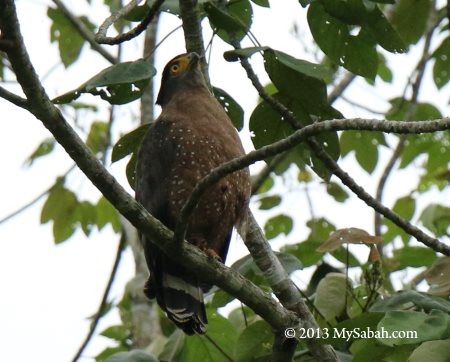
{"points": [[44, 148], [132, 356], [412, 256], [247, 267], [365, 145], [131, 170], [436, 351], [384, 72], [405, 298], [61, 208], [97, 139], [255, 342], [232, 21], [305, 251], [138, 13], [355, 53], [242, 317], [233, 109], [118, 333], [199, 348], [268, 126], [383, 32], [369, 350], [86, 214], [118, 84], [409, 18], [280, 224], [173, 346], [401, 108], [424, 327], [234, 55], [221, 299], [298, 78], [436, 218], [266, 186], [269, 202], [346, 257], [405, 207], [70, 42], [129, 143], [337, 192], [331, 294], [110, 352], [351, 12], [441, 72], [364, 321], [107, 214], [263, 3]]}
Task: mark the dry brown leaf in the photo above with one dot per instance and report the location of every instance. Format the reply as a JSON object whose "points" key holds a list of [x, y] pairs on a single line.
{"points": [[349, 235]]}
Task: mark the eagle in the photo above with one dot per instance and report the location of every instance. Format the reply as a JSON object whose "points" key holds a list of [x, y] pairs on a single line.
{"points": [[192, 136]]}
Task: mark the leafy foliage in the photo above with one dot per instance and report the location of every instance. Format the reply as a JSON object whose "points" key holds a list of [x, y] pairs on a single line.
{"points": [[355, 35]]}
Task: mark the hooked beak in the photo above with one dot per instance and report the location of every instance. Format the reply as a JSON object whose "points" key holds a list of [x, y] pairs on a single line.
{"points": [[194, 60]]}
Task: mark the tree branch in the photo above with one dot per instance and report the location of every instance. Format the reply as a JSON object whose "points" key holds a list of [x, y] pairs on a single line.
{"points": [[420, 72], [341, 87], [13, 98], [305, 134], [335, 169], [207, 269], [382, 182], [193, 35], [85, 32], [261, 177], [101, 37]]}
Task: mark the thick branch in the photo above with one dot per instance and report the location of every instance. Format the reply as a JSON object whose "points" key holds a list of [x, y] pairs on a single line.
{"points": [[101, 37], [193, 35], [207, 269], [85, 32]]}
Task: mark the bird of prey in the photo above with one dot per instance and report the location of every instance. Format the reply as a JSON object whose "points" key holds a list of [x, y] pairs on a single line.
{"points": [[192, 136]]}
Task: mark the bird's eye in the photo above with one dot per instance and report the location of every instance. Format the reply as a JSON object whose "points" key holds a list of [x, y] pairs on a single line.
{"points": [[175, 68]]}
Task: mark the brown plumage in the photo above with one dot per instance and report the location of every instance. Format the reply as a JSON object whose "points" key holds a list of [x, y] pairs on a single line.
{"points": [[192, 136]]}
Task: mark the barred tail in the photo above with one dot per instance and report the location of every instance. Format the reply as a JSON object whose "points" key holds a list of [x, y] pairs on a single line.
{"points": [[184, 303]]}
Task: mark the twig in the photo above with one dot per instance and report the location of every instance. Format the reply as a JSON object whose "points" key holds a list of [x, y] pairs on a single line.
{"points": [[341, 87], [104, 300], [420, 69], [335, 169], [26, 206], [85, 32], [383, 179], [217, 346], [259, 179], [14, 98], [101, 37], [362, 106], [35, 199]]}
